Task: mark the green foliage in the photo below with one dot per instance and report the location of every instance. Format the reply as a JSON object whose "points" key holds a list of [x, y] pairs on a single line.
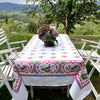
{"points": [[97, 29], [61, 29], [39, 20], [20, 17], [10, 20], [67, 12], [19, 23], [49, 37], [98, 15], [6, 28], [31, 27], [2, 15], [10, 26], [0, 25], [19, 37], [88, 37], [19, 28], [89, 28], [6, 19]]}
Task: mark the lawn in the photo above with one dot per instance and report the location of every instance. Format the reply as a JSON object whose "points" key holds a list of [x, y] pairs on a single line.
{"points": [[53, 94]]}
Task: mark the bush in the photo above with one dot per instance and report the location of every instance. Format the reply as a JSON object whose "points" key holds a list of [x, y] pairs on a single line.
{"points": [[31, 27], [61, 29], [97, 29], [87, 29]]}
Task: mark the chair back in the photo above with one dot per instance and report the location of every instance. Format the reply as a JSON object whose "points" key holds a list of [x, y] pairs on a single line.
{"points": [[53, 27], [3, 38]]}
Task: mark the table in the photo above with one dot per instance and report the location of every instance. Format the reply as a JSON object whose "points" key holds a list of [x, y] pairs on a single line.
{"points": [[59, 65]]}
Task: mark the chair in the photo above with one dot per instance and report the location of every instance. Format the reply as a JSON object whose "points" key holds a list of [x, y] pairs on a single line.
{"points": [[92, 51], [53, 27], [10, 53], [96, 66], [6, 75], [6, 70], [3, 39], [85, 53]]}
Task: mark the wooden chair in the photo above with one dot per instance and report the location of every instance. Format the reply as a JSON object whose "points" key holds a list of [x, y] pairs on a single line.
{"points": [[85, 53], [96, 66], [6, 69], [3, 39], [10, 54], [6, 75]]}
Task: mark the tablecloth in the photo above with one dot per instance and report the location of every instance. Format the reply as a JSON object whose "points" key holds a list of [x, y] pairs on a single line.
{"points": [[59, 65]]}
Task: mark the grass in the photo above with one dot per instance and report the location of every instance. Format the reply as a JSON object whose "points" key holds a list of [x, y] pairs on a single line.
{"points": [[52, 94]]}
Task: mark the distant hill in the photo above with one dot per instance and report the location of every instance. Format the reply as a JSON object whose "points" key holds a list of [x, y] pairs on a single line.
{"points": [[16, 8], [13, 7]]}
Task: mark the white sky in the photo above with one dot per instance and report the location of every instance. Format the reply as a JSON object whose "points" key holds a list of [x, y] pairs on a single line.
{"points": [[14, 1]]}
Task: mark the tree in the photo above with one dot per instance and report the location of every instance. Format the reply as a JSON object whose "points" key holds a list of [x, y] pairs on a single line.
{"points": [[10, 21], [2, 15], [6, 19], [31, 27], [67, 12], [40, 19], [19, 28], [10, 26]]}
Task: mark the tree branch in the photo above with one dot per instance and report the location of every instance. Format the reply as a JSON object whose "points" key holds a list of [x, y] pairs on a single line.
{"points": [[59, 17], [52, 5], [62, 11]]}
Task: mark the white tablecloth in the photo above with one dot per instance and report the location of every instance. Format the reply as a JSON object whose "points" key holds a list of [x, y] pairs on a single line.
{"points": [[59, 65]]}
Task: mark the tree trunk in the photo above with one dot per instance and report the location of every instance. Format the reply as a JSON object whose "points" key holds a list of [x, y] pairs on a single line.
{"points": [[66, 23], [66, 26], [66, 30]]}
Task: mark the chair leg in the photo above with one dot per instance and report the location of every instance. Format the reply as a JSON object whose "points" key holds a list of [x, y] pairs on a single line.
{"points": [[98, 97], [94, 91], [5, 81], [1, 57], [68, 91], [32, 92], [91, 72]]}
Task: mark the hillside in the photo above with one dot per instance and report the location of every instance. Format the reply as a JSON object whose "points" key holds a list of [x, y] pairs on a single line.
{"points": [[13, 8]]}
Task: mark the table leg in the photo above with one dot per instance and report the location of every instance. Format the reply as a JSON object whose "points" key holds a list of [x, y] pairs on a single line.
{"points": [[32, 92]]}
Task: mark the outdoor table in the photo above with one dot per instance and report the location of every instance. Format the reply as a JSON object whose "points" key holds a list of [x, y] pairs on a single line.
{"points": [[60, 65]]}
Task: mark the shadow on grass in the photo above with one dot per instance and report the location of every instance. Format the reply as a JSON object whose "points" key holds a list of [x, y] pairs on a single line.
{"points": [[51, 94]]}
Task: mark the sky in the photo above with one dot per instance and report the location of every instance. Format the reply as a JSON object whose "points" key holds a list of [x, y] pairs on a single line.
{"points": [[15, 1]]}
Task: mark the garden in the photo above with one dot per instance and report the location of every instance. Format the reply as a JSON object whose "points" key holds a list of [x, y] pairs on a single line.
{"points": [[79, 19]]}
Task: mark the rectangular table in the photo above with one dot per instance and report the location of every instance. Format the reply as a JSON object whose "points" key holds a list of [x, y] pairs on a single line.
{"points": [[59, 65]]}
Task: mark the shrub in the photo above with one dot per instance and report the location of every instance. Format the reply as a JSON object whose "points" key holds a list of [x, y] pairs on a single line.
{"points": [[87, 29], [61, 29], [97, 29]]}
